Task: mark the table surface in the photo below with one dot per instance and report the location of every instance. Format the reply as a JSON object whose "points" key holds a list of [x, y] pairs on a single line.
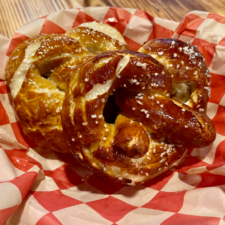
{"points": [[14, 13]]}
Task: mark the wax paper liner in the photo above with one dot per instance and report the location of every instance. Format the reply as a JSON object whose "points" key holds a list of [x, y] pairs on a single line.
{"points": [[41, 187]]}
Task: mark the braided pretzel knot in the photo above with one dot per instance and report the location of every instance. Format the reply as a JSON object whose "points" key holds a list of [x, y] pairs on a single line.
{"points": [[152, 132], [37, 72]]}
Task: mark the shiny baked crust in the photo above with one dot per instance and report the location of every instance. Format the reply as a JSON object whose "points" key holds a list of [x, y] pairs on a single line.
{"points": [[36, 97], [190, 75], [94, 40], [37, 73], [106, 29], [151, 133]]}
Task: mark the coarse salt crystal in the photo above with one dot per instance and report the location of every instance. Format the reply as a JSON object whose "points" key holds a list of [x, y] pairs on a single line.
{"points": [[140, 103], [143, 65]]}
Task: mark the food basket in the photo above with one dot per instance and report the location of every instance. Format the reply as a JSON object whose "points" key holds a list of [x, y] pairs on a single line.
{"points": [[40, 187]]}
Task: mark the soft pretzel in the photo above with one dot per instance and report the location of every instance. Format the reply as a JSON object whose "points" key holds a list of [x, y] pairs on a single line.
{"points": [[152, 132], [37, 73]]}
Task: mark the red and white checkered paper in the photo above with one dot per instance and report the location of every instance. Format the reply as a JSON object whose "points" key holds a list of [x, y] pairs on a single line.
{"points": [[41, 187]]}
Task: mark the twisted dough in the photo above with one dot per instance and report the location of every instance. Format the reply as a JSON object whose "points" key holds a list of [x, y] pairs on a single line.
{"points": [[37, 73], [153, 130]]}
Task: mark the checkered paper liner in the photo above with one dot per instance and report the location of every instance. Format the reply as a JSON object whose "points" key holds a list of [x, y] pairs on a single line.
{"points": [[40, 187]]}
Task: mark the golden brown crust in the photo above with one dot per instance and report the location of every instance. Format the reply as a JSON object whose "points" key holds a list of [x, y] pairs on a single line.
{"points": [[106, 29], [38, 102], [95, 41], [131, 137], [111, 149], [168, 118], [37, 73], [187, 67]]}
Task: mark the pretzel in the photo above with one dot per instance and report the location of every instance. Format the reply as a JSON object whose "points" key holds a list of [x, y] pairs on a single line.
{"points": [[37, 73], [152, 131]]}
